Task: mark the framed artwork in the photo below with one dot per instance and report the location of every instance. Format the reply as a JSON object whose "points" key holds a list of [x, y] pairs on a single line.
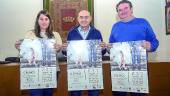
{"points": [[167, 1], [167, 19], [64, 13]]}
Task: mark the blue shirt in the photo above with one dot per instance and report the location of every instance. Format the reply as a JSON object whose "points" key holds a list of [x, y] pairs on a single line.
{"points": [[83, 33], [136, 29]]}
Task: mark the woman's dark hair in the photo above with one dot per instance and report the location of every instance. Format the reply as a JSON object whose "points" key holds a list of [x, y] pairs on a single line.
{"points": [[123, 1], [49, 31]]}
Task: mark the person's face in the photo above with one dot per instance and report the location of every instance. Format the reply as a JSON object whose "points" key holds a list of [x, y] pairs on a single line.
{"points": [[43, 22], [84, 18], [124, 11]]}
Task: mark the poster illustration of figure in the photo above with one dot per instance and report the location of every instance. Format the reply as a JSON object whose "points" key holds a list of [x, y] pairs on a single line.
{"points": [[129, 67], [38, 64], [84, 65]]}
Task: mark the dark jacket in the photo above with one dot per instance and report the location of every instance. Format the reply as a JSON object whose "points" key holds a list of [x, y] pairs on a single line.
{"points": [[93, 34]]}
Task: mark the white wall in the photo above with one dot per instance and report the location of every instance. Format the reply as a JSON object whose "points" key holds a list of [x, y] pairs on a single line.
{"points": [[152, 10], [16, 17]]}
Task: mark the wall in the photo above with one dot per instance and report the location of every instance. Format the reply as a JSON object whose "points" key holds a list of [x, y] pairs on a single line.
{"points": [[152, 10], [17, 17]]}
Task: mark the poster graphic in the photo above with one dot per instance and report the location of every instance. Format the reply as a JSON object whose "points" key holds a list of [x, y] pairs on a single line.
{"points": [[129, 67], [84, 65], [38, 64]]}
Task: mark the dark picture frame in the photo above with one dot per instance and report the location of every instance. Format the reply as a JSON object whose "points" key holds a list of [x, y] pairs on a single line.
{"points": [[167, 19], [167, 1], [64, 13]]}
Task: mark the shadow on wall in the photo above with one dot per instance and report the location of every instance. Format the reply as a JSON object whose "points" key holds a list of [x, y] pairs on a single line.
{"points": [[152, 57]]}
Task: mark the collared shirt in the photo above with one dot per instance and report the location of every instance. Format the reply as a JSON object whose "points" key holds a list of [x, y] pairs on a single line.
{"points": [[83, 33]]}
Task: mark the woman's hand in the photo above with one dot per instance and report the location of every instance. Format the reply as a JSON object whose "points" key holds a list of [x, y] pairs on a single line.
{"points": [[57, 47], [18, 43], [64, 46]]}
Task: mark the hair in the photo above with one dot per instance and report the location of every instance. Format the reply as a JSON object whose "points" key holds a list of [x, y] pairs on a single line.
{"points": [[49, 30], [123, 1], [84, 10]]}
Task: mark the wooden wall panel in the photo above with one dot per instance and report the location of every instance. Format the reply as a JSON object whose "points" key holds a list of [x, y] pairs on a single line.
{"points": [[9, 80], [159, 80]]}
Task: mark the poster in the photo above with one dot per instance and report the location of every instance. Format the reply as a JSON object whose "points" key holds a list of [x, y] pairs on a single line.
{"points": [[38, 64], [84, 65], [129, 67]]}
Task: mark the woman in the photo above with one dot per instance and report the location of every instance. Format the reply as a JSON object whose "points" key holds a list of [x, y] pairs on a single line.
{"points": [[43, 29]]}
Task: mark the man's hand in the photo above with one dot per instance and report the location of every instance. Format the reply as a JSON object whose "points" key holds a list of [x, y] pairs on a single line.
{"points": [[146, 45], [103, 45]]}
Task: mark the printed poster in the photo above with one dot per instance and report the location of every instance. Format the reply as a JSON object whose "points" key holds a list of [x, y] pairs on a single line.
{"points": [[84, 65], [38, 64], [129, 67]]}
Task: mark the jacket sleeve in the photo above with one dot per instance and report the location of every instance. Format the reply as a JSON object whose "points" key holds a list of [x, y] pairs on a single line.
{"points": [[57, 37], [151, 37]]}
